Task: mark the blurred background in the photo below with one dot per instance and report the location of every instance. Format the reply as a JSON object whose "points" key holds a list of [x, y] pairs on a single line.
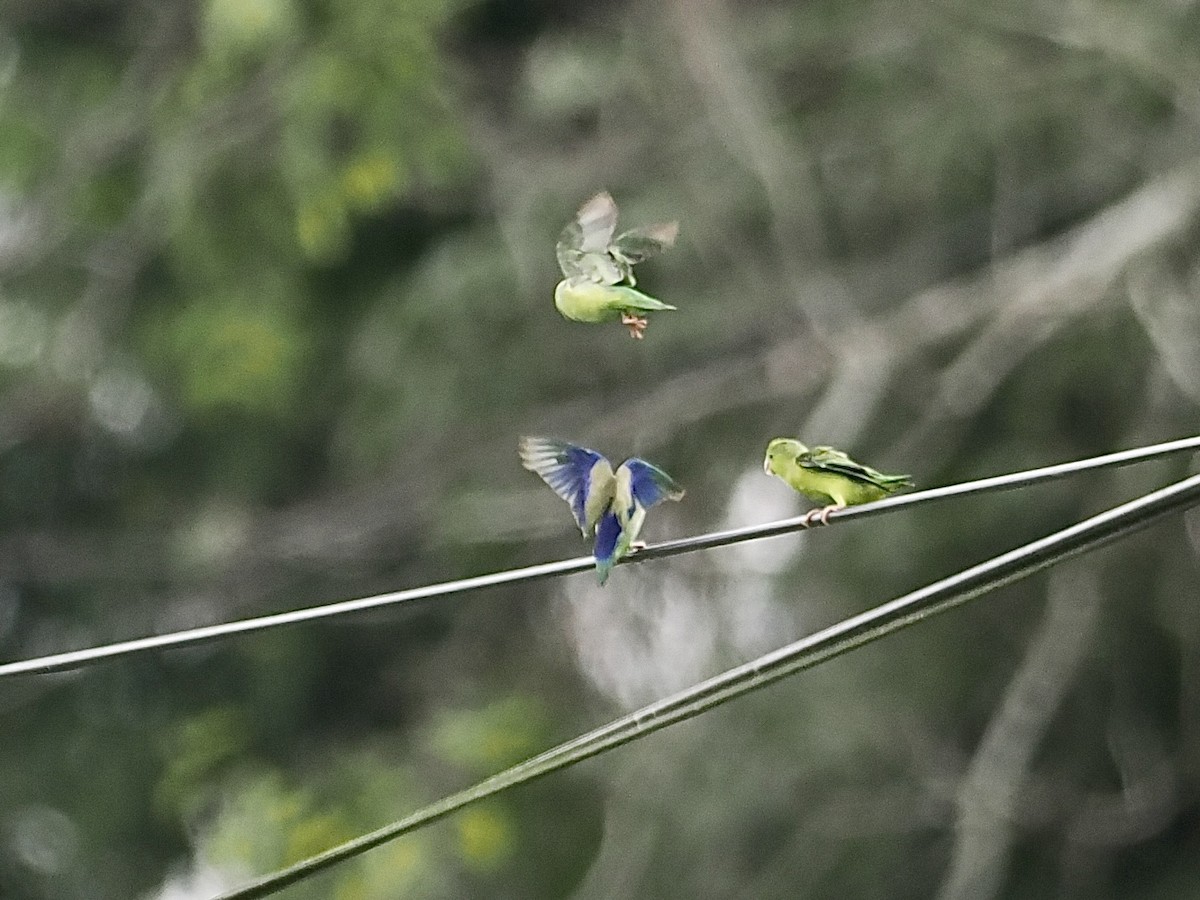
{"points": [[276, 303]]}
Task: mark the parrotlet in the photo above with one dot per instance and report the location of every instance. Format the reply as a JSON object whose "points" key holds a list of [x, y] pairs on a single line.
{"points": [[609, 505], [828, 476], [598, 283]]}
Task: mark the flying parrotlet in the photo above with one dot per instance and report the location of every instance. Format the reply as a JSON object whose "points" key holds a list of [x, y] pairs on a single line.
{"points": [[608, 505], [598, 282], [828, 476]]}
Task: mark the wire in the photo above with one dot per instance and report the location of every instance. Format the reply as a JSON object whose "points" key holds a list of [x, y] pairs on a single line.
{"points": [[75, 659], [805, 653]]}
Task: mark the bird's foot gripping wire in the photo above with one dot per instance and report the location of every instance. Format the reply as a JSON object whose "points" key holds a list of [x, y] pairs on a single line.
{"points": [[821, 516]]}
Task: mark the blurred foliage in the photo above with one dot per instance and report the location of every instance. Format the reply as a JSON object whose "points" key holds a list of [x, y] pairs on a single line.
{"points": [[262, 822], [275, 305]]}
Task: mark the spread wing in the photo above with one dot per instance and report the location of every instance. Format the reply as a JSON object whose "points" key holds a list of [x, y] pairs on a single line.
{"points": [[827, 459], [649, 484], [583, 245], [568, 469], [640, 244]]}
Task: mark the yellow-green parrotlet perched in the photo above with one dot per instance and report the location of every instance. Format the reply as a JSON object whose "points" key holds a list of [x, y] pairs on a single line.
{"points": [[598, 282], [611, 505], [828, 477]]}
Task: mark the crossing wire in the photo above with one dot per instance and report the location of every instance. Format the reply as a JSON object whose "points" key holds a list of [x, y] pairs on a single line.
{"points": [[810, 651]]}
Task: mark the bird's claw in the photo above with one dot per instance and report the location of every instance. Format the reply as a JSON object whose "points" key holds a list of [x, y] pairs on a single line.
{"points": [[635, 324], [815, 516], [637, 545]]}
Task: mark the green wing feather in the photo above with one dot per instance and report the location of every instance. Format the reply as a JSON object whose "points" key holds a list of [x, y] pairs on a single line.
{"points": [[583, 244], [634, 299], [586, 247], [639, 244], [827, 459]]}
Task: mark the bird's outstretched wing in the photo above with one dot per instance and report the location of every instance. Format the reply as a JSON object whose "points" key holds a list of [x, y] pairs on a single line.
{"points": [[649, 484], [640, 244], [582, 248], [827, 459], [570, 470]]}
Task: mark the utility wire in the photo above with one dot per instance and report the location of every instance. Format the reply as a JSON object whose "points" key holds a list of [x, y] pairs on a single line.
{"points": [[74, 659], [803, 654]]}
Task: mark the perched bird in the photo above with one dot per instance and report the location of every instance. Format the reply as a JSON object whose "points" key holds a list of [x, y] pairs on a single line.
{"points": [[639, 486], [609, 505], [828, 476], [598, 282]]}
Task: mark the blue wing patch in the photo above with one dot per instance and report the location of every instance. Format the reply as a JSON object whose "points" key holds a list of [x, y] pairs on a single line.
{"points": [[649, 484], [565, 467]]}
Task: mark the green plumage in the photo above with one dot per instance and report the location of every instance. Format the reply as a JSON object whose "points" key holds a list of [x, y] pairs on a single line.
{"points": [[598, 280], [587, 301], [828, 476]]}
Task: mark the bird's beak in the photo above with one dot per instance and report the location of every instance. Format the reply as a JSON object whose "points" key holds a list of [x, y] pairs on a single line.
{"points": [[766, 465]]}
